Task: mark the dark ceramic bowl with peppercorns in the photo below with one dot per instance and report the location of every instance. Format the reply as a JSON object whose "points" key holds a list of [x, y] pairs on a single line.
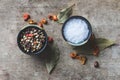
{"points": [[32, 40]]}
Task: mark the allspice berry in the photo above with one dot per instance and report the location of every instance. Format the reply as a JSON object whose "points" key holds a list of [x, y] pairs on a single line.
{"points": [[26, 16], [50, 17], [55, 18], [43, 21], [96, 64]]}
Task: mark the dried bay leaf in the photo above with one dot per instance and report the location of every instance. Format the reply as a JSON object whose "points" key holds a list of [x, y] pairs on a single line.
{"points": [[102, 43], [53, 58], [64, 14]]}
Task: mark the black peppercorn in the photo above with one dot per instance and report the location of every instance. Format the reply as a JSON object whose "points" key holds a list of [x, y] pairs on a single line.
{"points": [[96, 64]]}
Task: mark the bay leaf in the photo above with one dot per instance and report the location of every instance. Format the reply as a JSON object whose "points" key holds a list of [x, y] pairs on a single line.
{"points": [[53, 58], [64, 14], [102, 43]]}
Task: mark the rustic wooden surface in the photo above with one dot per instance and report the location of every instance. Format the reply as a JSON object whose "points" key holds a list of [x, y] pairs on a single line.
{"points": [[104, 15]]}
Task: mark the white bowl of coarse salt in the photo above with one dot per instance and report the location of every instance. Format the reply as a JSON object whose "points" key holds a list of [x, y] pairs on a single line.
{"points": [[76, 30]]}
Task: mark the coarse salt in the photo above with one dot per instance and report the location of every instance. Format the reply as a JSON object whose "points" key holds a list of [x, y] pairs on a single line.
{"points": [[76, 30]]}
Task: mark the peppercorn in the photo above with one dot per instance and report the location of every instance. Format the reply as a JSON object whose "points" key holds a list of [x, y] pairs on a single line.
{"points": [[73, 55], [50, 17], [53, 17], [50, 39], [32, 40], [26, 16], [96, 64], [43, 21], [96, 51], [30, 35]]}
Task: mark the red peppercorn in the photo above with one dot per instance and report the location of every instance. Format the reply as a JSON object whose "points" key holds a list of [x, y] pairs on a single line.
{"points": [[50, 39], [27, 35], [30, 35]]}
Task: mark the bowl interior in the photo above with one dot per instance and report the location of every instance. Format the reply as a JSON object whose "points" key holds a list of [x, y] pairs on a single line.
{"points": [[19, 38], [89, 27]]}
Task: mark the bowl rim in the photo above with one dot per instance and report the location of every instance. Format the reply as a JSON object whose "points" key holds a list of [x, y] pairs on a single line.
{"points": [[89, 26], [32, 53]]}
